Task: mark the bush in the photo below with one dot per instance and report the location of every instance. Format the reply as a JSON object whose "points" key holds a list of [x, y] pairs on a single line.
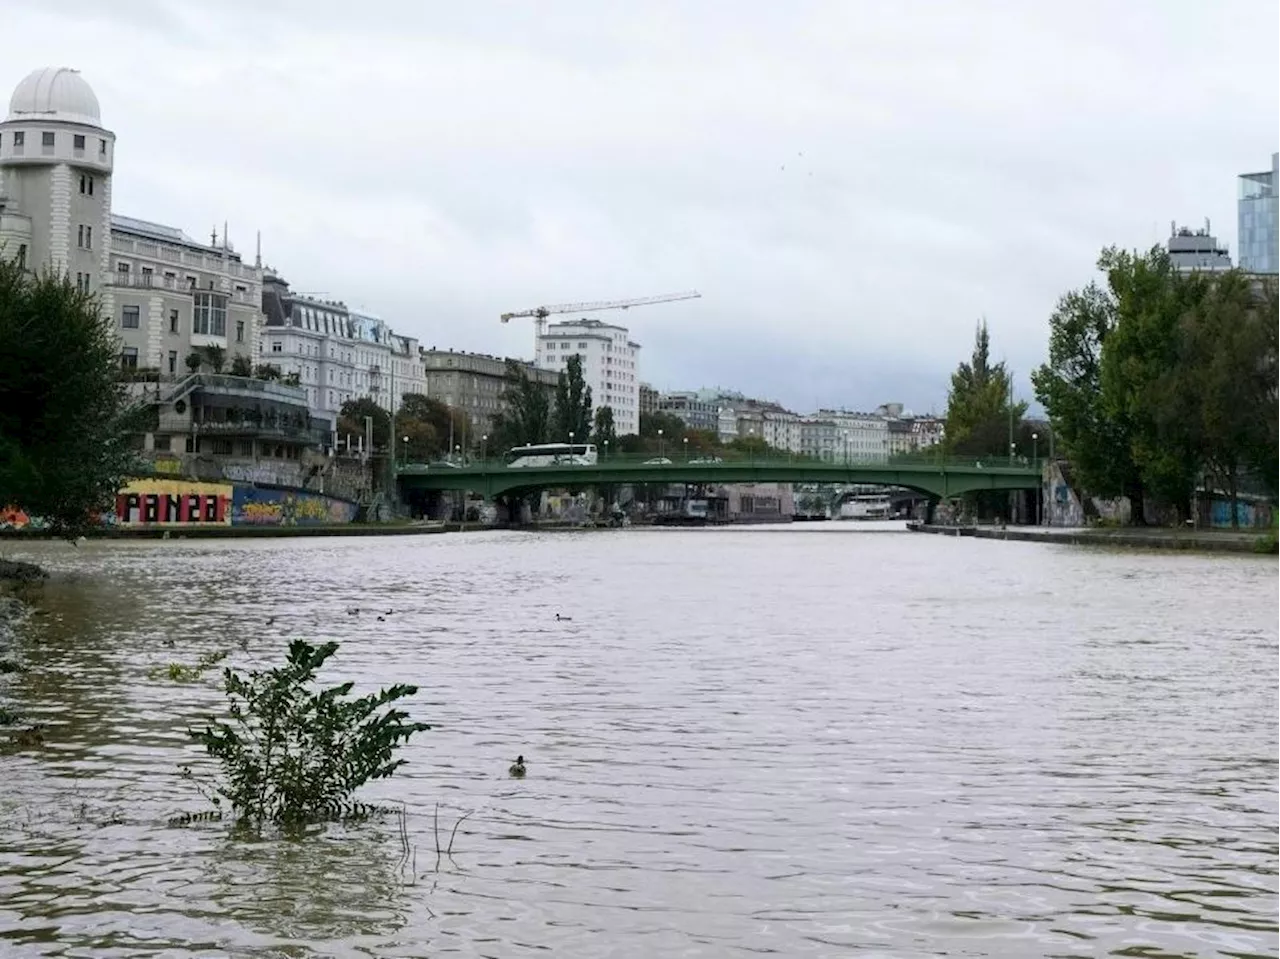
{"points": [[291, 755]]}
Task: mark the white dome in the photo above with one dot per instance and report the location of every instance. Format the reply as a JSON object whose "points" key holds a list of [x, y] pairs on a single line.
{"points": [[55, 93]]}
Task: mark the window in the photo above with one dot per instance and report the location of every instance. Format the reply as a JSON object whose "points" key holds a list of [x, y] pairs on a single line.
{"points": [[129, 319], [102, 148], [122, 268], [47, 139], [19, 138], [173, 361], [173, 321], [146, 276], [129, 358], [277, 346], [210, 314], [82, 282], [77, 142], [86, 184], [170, 279], [84, 237], [239, 331]]}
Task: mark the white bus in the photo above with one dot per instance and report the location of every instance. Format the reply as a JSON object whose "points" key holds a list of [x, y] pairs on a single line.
{"points": [[552, 454]]}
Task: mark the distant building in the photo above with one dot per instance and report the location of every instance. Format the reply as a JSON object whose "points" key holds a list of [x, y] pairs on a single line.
{"points": [[610, 365], [696, 411], [649, 399], [337, 353], [1197, 251], [818, 438], [475, 383], [859, 437], [1257, 219]]}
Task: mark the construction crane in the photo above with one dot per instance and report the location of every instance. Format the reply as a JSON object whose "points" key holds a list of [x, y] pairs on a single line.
{"points": [[540, 313]]}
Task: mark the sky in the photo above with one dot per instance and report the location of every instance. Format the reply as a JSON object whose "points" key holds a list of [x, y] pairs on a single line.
{"points": [[851, 186]]}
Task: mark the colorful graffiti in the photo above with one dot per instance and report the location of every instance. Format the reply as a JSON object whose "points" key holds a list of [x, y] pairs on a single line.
{"points": [[158, 502], [13, 518], [252, 506]]}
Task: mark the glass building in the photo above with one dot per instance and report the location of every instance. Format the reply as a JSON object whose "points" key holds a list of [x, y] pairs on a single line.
{"points": [[1259, 236]]}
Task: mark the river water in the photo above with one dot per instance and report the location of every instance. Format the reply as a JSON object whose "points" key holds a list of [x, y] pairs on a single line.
{"points": [[815, 741]]}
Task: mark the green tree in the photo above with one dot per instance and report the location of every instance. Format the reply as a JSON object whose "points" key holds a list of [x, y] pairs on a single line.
{"points": [[672, 426], [980, 405], [1087, 432], [573, 403], [526, 411], [444, 422], [241, 365], [66, 420], [603, 430], [1144, 368], [215, 357], [266, 371], [351, 422]]}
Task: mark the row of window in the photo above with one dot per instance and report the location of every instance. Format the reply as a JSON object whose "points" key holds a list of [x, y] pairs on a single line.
{"points": [[49, 139]]}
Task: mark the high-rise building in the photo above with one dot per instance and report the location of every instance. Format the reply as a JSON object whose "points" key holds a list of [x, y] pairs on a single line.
{"points": [[1196, 251], [610, 365], [1257, 214]]}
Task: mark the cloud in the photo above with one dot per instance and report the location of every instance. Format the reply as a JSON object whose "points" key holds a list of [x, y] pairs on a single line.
{"points": [[851, 187]]}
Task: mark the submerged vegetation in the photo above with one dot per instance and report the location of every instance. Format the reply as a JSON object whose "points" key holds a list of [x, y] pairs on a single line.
{"points": [[292, 754]]}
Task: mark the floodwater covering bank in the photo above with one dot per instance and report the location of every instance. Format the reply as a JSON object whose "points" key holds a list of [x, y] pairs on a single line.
{"points": [[1209, 541]]}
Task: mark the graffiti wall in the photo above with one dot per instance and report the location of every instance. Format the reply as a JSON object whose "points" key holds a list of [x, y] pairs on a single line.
{"points": [[160, 502], [252, 506]]}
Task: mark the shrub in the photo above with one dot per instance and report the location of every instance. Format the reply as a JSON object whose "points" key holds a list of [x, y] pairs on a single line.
{"points": [[292, 755]]}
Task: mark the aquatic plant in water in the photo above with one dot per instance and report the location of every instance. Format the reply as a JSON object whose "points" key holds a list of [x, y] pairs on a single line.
{"points": [[291, 754]]}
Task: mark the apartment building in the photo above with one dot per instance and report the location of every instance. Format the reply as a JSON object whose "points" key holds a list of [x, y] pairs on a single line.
{"points": [[475, 383], [610, 365]]}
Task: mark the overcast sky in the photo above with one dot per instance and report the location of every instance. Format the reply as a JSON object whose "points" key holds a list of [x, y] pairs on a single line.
{"points": [[850, 185]]}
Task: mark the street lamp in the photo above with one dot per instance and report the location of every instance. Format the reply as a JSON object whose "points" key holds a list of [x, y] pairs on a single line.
{"points": [[571, 441], [606, 449], [406, 449], [686, 449], [1035, 454], [661, 447], [484, 448]]}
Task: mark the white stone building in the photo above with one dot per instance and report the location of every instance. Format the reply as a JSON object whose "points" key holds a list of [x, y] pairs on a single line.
{"points": [[858, 437], [610, 365], [336, 353]]}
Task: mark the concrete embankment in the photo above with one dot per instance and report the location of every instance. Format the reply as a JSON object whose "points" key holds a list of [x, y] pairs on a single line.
{"points": [[196, 531], [1210, 541]]}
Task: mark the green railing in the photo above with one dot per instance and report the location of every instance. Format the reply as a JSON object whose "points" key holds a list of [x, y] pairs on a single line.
{"points": [[736, 459]]}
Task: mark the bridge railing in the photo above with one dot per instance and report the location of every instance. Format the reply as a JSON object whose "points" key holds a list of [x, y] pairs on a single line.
{"points": [[664, 460]]}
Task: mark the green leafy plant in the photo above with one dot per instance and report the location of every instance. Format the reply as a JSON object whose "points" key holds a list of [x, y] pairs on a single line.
{"points": [[182, 673], [291, 754]]}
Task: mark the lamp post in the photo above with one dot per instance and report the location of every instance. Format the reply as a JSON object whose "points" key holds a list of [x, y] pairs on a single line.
{"points": [[405, 448], [686, 449], [1035, 456], [606, 449], [484, 447], [661, 447], [570, 441]]}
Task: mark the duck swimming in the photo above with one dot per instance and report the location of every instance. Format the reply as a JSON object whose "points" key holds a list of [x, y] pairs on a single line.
{"points": [[563, 619], [517, 768]]}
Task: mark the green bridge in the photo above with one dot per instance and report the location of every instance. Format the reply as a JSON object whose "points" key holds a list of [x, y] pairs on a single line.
{"points": [[936, 478]]}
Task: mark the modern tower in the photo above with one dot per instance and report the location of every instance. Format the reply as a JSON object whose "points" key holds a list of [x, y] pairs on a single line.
{"points": [[55, 178], [1256, 208]]}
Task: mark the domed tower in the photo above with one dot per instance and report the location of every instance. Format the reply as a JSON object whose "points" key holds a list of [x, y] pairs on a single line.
{"points": [[55, 177]]}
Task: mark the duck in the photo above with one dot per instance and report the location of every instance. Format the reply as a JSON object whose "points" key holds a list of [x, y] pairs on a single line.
{"points": [[517, 768], [563, 619], [382, 619], [353, 610]]}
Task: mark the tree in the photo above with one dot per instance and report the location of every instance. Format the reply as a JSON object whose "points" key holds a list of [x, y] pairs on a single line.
{"points": [[194, 361], [603, 431], [266, 371], [445, 423], [351, 422], [573, 403], [215, 356], [1096, 442], [66, 420], [1142, 362], [241, 365], [526, 411], [670, 425], [980, 407]]}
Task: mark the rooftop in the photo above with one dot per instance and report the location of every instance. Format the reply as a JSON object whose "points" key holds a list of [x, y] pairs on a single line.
{"points": [[55, 93]]}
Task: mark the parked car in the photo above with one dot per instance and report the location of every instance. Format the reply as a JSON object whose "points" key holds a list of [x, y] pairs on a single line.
{"points": [[707, 459], [658, 461]]}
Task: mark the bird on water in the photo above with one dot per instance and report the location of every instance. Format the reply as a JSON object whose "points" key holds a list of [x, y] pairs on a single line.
{"points": [[563, 619], [517, 768]]}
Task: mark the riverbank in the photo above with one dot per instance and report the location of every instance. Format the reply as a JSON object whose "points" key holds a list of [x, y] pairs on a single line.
{"points": [[1208, 541], [212, 531]]}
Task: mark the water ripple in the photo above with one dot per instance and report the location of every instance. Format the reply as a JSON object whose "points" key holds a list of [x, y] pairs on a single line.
{"points": [[745, 743]]}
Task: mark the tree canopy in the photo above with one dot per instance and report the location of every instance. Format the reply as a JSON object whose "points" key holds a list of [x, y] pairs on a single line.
{"points": [[573, 403], [66, 419], [1162, 381], [526, 411], [980, 407]]}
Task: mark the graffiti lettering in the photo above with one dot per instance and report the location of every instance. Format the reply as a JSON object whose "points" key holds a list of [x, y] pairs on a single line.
{"points": [[165, 502]]}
